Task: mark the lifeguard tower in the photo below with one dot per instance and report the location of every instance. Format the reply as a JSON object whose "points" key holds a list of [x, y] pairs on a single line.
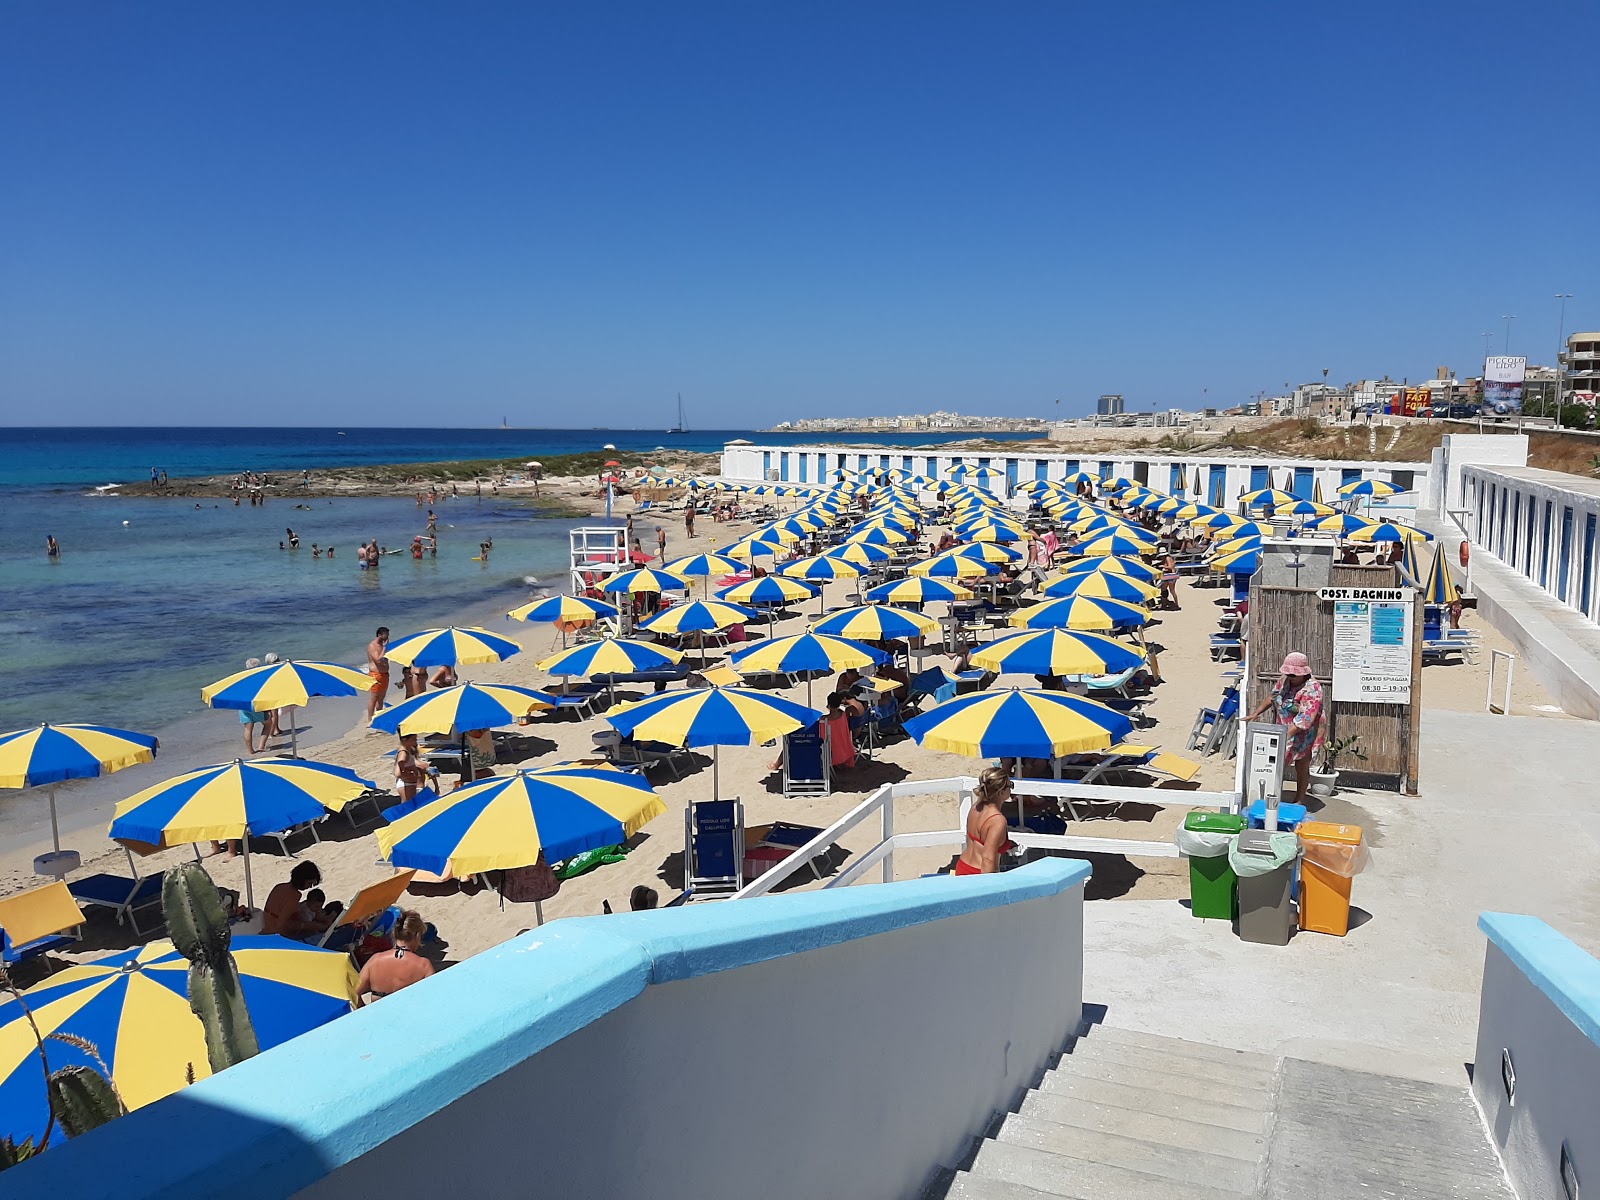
{"points": [[596, 553]]}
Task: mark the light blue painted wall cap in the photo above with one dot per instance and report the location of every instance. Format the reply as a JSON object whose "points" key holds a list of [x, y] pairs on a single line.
{"points": [[1557, 966]]}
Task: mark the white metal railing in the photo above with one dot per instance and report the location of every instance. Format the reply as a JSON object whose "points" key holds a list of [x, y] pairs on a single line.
{"points": [[881, 802]]}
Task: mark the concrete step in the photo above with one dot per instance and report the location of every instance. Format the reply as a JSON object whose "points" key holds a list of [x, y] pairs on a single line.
{"points": [[1079, 1178], [965, 1186], [1244, 1145], [1220, 1091], [1103, 1034], [1242, 1074], [1178, 1164], [1205, 1110]]}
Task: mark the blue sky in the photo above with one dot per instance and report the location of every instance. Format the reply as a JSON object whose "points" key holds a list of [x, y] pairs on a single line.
{"points": [[438, 214]]}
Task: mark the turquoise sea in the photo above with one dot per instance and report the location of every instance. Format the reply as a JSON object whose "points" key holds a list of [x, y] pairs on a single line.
{"points": [[153, 598]]}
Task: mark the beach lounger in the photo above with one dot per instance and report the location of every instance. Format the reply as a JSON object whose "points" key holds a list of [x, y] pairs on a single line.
{"points": [[366, 904], [38, 921], [126, 895], [282, 837], [624, 752], [713, 847], [1225, 647], [806, 765], [659, 676], [788, 837], [374, 799]]}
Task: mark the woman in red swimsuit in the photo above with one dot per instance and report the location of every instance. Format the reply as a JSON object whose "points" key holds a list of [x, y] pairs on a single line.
{"points": [[987, 834]]}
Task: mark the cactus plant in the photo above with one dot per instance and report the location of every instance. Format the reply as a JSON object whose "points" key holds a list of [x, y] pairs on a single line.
{"points": [[12, 1152], [82, 1099], [198, 923]]}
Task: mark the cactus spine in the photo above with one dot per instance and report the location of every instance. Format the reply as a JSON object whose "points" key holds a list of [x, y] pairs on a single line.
{"points": [[198, 923]]}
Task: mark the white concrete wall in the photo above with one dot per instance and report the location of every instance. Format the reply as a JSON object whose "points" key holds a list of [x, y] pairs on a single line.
{"points": [[852, 1070], [1537, 558], [1557, 1065], [1461, 450], [747, 464]]}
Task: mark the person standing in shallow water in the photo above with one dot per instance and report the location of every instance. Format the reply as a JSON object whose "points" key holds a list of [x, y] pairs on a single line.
{"points": [[52, 548]]}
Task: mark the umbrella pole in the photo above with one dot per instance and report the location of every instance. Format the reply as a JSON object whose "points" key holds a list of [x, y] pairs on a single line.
{"points": [[716, 759], [294, 734], [55, 827], [249, 891], [538, 912]]}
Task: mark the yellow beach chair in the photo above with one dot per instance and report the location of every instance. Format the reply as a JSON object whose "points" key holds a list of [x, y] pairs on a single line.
{"points": [[37, 921]]}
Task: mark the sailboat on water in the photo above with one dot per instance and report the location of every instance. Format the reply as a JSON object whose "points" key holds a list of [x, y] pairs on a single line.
{"points": [[683, 425]]}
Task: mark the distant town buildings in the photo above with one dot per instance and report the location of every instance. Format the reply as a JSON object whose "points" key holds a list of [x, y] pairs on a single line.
{"points": [[916, 423], [1581, 367], [1109, 406]]}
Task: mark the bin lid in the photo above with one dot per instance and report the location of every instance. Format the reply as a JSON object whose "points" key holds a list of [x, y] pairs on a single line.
{"points": [[1327, 831], [1256, 841], [1212, 822], [1288, 813]]}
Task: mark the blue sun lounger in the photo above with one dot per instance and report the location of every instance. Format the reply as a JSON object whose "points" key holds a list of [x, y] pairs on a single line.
{"points": [[125, 896]]}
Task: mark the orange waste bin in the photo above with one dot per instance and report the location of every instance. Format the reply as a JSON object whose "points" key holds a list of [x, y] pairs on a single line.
{"points": [[1331, 855]]}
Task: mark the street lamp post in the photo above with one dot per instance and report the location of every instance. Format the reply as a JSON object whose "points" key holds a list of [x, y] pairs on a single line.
{"points": [[1561, 349], [1508, 319]]}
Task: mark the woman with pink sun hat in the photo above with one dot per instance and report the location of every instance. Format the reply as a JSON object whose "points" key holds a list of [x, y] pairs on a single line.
{"points": [[1296, 704]]}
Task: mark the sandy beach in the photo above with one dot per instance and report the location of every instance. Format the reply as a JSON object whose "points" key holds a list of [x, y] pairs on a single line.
{"points": [[470, 921]]}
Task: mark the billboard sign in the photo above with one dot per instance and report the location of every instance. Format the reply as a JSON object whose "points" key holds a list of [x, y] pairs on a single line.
{"points": [[1503, 376]]}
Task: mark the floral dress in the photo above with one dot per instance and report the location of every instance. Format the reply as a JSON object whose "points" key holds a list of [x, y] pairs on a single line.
{"points": [[1302, 713]]}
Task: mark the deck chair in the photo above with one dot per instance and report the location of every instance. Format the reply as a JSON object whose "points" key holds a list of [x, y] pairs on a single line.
{"points": [[807, 769], [38, 921], [283, 836], [785, 835], [366, 904], [405, 807], [375, 798], [723, 676], [1223, 647], [713, 847], [125, 895]]}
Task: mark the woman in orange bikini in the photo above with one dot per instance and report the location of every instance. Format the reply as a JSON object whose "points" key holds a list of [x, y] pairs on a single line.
{"points": [[988, 836]]}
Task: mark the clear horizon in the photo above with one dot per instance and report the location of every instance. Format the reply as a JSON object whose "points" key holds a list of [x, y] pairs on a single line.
{"points": [[313, 217]]}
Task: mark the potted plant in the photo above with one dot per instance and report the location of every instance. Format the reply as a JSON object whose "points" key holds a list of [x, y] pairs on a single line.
{"points": [[1326, 781]]}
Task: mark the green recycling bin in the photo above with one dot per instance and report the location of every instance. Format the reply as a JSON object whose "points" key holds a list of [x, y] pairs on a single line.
{"points": [[1203, 840]]}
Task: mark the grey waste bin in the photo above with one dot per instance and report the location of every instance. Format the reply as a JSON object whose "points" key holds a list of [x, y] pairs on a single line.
{"points": [[1264, 863]]}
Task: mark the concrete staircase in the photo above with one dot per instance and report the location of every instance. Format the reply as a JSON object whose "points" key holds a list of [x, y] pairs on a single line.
{"points": [[1133, 1115]]}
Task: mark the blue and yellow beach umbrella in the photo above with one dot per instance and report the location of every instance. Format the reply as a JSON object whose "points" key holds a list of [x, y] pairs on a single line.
{"points": [[1017, 723], [1410, 565], [1103, 583], [887, 533], [451, 646], [712, 717], [748, 549], [1342, 524], [42, 755], [1193, 511], [1117, 544], [1267, 498], [645, 581], [1057, 652], [1081, 612], [574, 610], [1306, 508], [507, 821], [279, 685], [769, 589], [1390, 532], [133, 1007], [699, 616], [610, 656], [702, 566], [917, 589], [819, 567], [1441, 586], [1370, 487], [804, 653], [1239, 562], [1114, 564], [860, 554], [877, 623], [954, 566], [988, 552], [465, 706]]}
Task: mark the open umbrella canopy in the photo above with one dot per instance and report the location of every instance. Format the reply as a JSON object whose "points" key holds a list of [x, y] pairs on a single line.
{"points": [[1018, 723], [860, 554], [1247, 529], [1240, 562], [232, 799], [451, 647], [1370, 487], [1217, 520], [279, 685], [1133, 568], [699, 616], [1389, 532], [747, 549], [133, 1006], [610, 656], [1103, 583], [507, 821], [1267, 498], [804, 652], [769, 589], [1115, 544], [1342, 524], [877, 623], [1441, 586], [703, 566], [465, 706], [1193, 511], [1306, 508], [46, 754], [577, 609], [717, 716], [1081, 612], [953, 566], [879, 535], [988, 552], [1078, 477], [820, 566], [646, 580], [917, 589], [1056, 652]]}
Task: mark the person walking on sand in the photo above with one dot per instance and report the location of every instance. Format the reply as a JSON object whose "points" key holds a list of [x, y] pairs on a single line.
{"points": [[688, 519], [251, 719], [661, 544], [378, 668]]}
